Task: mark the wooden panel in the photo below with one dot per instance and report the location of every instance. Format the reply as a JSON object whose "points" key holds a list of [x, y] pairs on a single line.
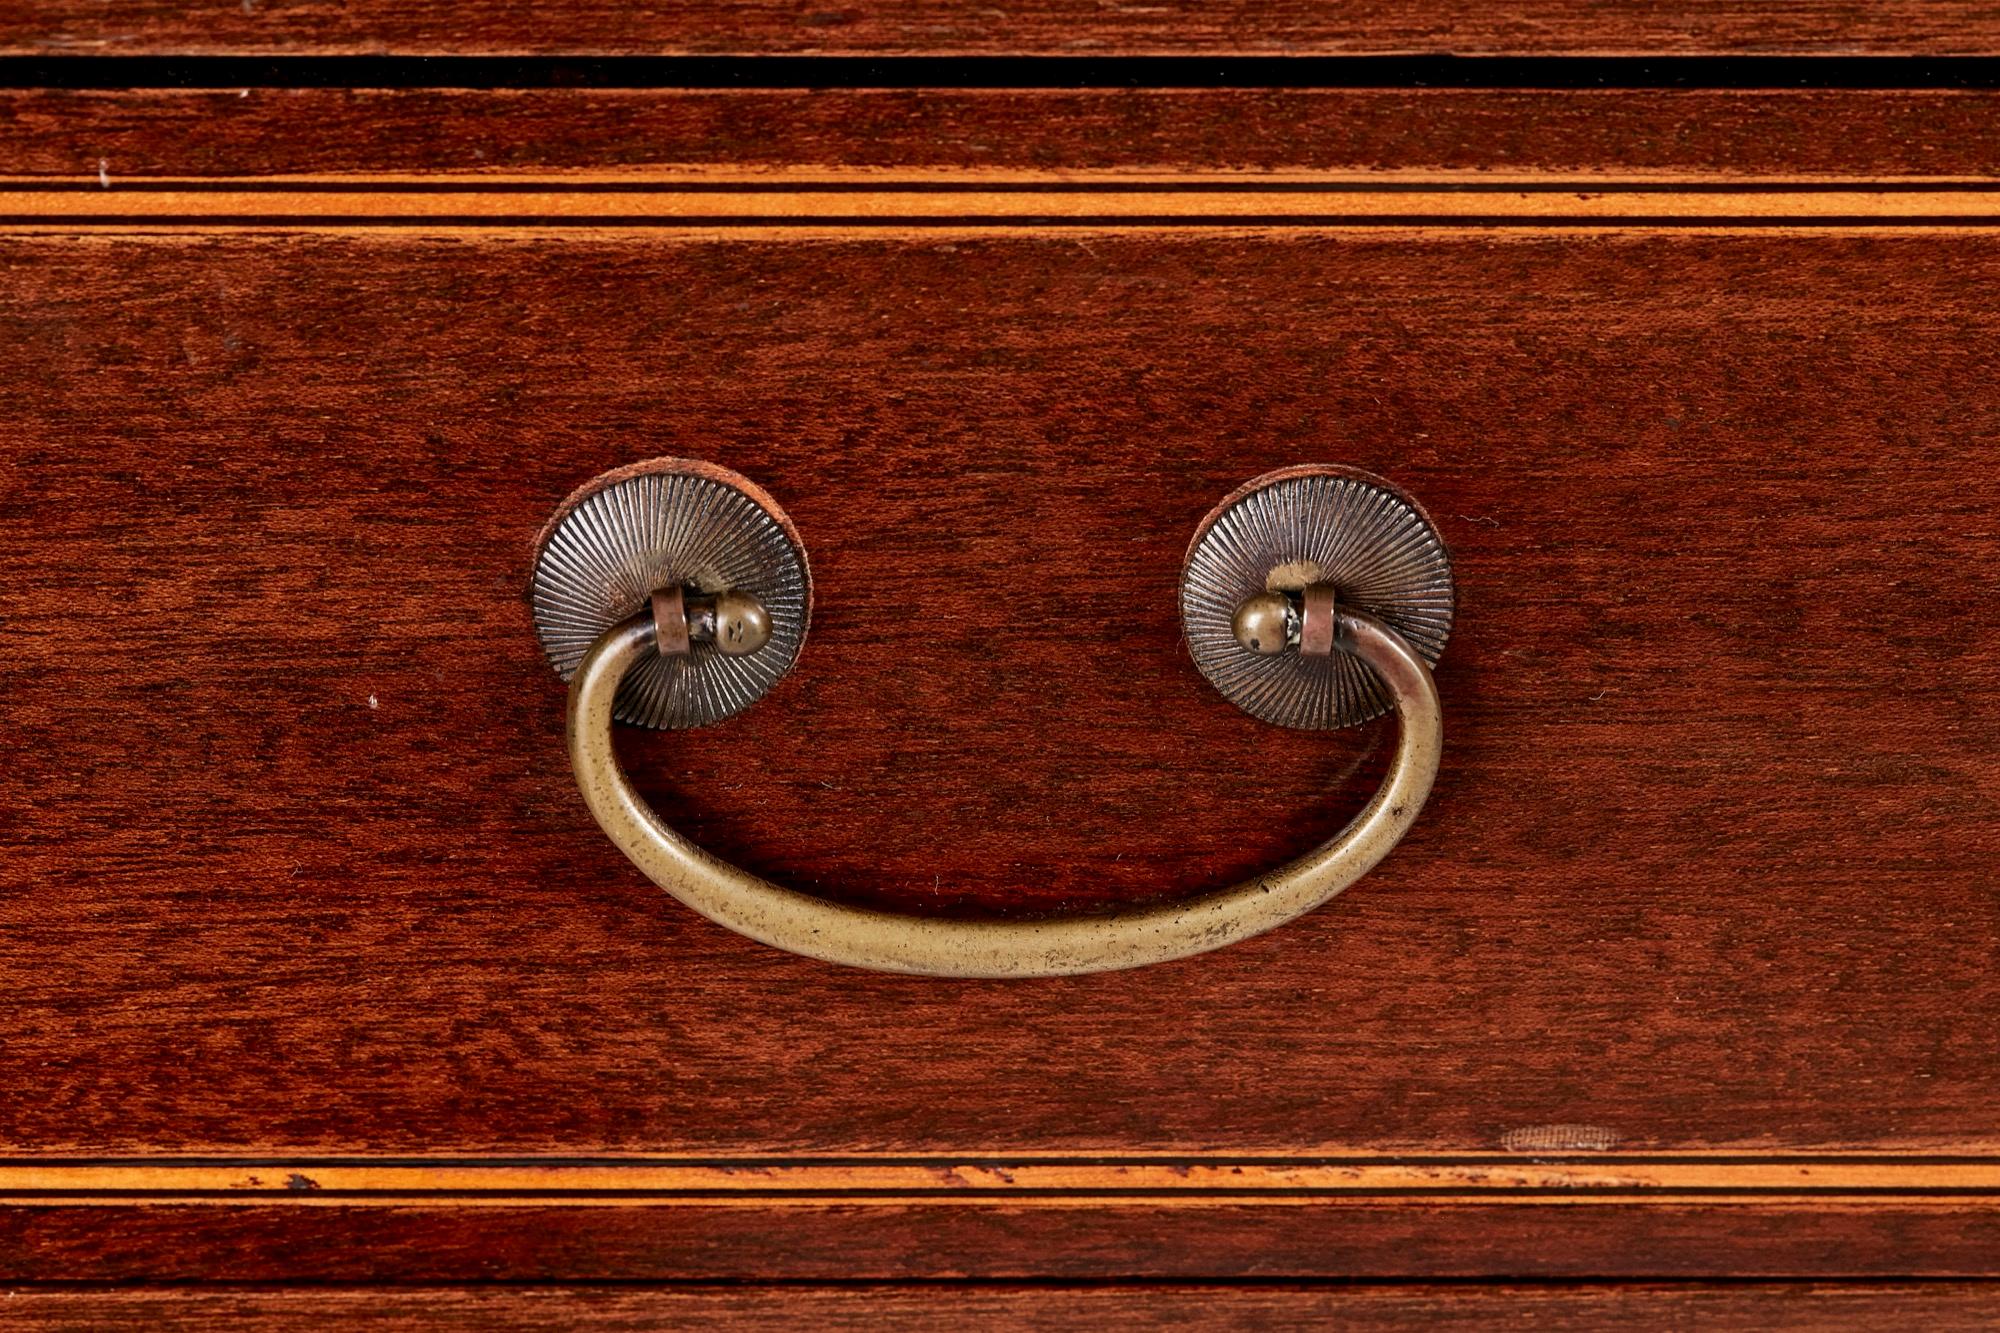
{"points": [[1045, 27], [1942, 1308], [1066, 1239], [292, 860], [108, 139]]}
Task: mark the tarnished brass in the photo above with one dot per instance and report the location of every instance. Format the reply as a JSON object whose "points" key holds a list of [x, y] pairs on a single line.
{"points": [[670, 622], [714, 556], [738, 624], [1270, 623], [1316, 620], [1263, 622], [1266, 623], [894, 942], [735, 622], [1300, 533]]}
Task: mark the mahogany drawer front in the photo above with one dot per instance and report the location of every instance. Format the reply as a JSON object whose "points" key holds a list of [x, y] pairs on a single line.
{"points": [[1059, 28], [1947, 1306], [1687, 968]]}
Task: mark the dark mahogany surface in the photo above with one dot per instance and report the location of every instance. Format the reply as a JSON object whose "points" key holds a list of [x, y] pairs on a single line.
{"points": [[1727, 135], [292, 858], [1201, 1309], [1028, 27]]}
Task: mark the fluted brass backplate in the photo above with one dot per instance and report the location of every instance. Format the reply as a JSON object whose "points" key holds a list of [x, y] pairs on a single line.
{"points": [[690, 528], [1300, 531]]}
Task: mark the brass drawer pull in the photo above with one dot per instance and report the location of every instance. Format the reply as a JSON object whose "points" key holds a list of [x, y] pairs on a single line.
{"points": [[1294, 652]]}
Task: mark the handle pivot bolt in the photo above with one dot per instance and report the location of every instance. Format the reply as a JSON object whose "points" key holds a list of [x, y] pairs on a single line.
{"points": [[1269, 623], [738, 623], [1266, 623], [734, 621]]}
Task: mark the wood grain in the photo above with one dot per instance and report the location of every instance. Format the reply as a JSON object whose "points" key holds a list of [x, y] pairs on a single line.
{"points": [[1688, 971], [876, 1239], [292, 861], [1040, 27], [1946, 1308], [97, 137]]}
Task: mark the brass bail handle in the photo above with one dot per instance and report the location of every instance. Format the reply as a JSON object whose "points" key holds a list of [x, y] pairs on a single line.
{"points": [[1265, 624], [930, 946]]}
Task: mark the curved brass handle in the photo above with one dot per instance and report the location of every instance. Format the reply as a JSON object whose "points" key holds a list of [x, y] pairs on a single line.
{"points": [[895, 942]]}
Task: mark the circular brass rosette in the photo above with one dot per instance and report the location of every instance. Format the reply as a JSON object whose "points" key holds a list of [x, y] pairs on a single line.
{"points": [[1299, 528], [671, 523]]}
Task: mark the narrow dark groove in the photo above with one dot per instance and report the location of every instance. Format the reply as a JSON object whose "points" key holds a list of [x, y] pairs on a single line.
{"points": [[748, 72]]}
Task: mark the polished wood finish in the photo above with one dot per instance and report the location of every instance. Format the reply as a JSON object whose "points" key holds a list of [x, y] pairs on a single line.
{"points": [[1221, 1218], [1715, 705], [317, 968], [107, 140], [1072, 1237], [1946, 1309], [1032, 27], [1941, 1308]]}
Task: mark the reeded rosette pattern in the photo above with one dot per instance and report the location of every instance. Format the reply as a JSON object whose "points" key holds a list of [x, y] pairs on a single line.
{"points": [[1310, 525], [655, 525]]}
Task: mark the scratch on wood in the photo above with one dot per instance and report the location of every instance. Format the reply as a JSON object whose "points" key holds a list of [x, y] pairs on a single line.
{"points": [[1559, 1138]]}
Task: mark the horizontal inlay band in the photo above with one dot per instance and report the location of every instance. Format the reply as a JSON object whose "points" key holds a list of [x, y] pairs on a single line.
{"points": [[1975, 1180], [964, 200]]}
